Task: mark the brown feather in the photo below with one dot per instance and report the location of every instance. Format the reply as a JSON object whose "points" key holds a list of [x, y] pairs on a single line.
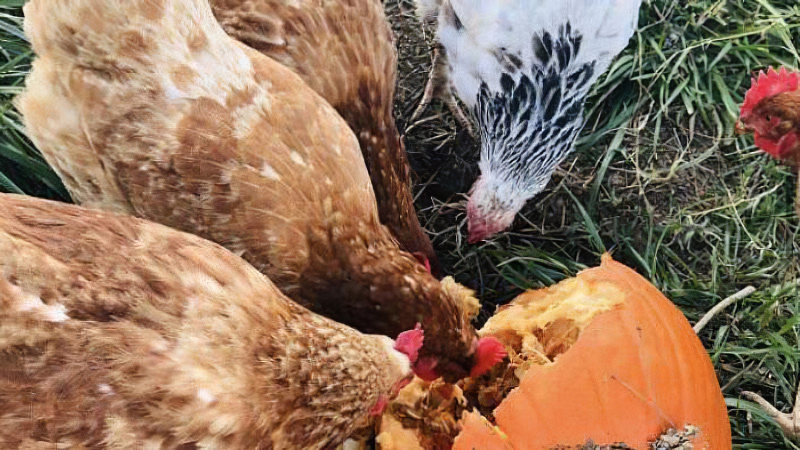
{"points": [[121, 333], [172, 120], [344, 50], [786, 107]]}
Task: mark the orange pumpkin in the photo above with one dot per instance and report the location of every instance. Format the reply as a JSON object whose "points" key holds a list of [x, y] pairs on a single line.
{"points": [[603, 357]]}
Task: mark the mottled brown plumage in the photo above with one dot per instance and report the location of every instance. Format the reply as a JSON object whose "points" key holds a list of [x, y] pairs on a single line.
{"points": [[344, 50], [147, 107], [119, 333]]}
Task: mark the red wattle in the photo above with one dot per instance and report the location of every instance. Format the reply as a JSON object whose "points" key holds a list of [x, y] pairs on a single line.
{"points": [[489, 352], [426, 369]]}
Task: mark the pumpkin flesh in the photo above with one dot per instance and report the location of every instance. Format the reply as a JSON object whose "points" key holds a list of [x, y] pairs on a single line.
{"points": [[603, 357]]}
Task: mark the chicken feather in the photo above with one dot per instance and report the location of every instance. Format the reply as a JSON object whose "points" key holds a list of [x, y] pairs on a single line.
{"points": [[524, 68], [147, 107], [121, 333], [344, 50]]}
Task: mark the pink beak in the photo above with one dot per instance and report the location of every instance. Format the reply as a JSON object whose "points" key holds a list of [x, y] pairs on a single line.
{"points": [[478, 233], [479, 226]]}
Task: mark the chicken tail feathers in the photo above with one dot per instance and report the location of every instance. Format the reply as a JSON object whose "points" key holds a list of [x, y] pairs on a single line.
{"points": [[104, 63]]}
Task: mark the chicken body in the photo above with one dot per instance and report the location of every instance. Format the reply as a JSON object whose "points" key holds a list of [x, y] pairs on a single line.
{"points": [[343, 50], [147, 107], [524, 68], [120, 333]]}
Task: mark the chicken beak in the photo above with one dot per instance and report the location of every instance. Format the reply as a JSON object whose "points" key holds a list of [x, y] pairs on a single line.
{"points": [[740, 128]]}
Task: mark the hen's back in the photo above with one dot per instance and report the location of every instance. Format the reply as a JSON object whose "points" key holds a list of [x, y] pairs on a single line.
{"points": [[484, 39], [339, 48], [100, 313], [344, 50], [148, 107], [116, 332]]}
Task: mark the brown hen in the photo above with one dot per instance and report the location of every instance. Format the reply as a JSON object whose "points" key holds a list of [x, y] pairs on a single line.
{"points": [[343, 50], [117, 333], [148, 107]]}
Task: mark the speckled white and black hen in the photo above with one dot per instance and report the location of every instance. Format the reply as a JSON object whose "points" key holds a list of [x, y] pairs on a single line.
{"points": [[524, 68]]}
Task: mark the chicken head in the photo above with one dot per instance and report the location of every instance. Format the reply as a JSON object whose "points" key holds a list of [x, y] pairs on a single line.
{"points": [[771, 111]]}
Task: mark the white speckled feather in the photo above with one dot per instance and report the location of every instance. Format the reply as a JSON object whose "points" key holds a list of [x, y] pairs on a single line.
{"points": [[489, 25]]}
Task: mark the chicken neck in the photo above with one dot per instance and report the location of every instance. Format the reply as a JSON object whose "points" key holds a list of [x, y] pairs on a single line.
{"points": [[389, 172], [359, 277]]}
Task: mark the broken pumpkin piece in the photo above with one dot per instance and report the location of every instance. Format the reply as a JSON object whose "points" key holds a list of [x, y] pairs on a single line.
{"points": [[428, 411], [484, 436], [394, 436], [599, 361]]}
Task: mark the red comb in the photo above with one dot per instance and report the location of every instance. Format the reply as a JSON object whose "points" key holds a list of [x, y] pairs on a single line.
{"points": [[409, 342], [767, 85], [489, 352]]}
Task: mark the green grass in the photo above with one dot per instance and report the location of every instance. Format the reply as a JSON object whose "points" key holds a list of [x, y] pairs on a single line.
{"points": [[22, 169], [658, 179]]}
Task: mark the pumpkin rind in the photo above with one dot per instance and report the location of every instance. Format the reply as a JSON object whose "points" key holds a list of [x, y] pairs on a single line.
{"points": [[482, 435], [635, 371]]}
